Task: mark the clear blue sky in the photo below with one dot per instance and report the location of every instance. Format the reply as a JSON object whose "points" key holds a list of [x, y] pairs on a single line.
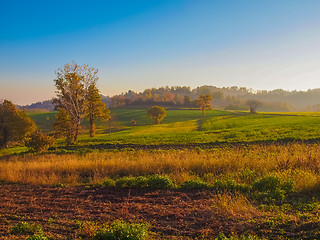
{"points": [[265, 44]]}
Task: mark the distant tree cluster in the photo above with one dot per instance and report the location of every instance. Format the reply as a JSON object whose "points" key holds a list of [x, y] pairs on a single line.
{"points": [[164, 96], [229, 98]]}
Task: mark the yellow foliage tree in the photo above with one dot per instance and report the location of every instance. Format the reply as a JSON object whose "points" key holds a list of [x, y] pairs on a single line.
{"points": [[95, 108], [204, 101], [157, 114]]}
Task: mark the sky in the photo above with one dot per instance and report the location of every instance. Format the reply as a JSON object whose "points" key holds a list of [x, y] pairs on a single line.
{"points": [[263, 45]]}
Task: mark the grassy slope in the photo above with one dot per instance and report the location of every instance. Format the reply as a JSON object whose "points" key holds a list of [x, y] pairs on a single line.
{"points": [[186, 126]]}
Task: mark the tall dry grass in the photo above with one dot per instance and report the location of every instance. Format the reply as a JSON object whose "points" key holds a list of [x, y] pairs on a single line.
{"points": [[300, 162]]}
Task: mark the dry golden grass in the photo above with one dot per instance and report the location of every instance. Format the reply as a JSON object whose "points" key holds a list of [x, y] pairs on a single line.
{"points": [[234, 206], [300, 162]]}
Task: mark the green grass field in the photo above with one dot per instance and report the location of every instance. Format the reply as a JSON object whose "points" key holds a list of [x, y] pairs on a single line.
{"points": [[188, 127]]}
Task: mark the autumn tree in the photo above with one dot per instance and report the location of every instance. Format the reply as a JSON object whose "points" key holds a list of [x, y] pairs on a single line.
{"points": [[204, 102], [72, 85], [95, 108], [14, 124], [157, 114], [62, 125]]}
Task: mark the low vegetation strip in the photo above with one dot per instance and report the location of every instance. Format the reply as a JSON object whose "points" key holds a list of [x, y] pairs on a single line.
{"points": [[297, 162]]}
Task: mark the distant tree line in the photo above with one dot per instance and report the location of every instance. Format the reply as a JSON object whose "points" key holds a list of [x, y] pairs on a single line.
{"points": [[229, 98]]}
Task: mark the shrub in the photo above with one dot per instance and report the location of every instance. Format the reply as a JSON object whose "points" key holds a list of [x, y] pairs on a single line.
{"points": [[25, 228], [39, 142], [271, 188], [242, 237], [160, 182], [122, 230], [288, 186], [108, 182], [132, 182], [193, 184], [267, 184], [38, 237]]}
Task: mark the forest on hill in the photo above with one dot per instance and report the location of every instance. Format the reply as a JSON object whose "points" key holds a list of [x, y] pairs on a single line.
{"points": [[227, 98]]}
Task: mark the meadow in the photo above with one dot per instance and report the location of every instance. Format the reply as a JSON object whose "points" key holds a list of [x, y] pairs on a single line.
{"points": [[255, 176]]}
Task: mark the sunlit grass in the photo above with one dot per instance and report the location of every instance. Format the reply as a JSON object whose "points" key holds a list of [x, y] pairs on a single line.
{"points": [[299, 162]]}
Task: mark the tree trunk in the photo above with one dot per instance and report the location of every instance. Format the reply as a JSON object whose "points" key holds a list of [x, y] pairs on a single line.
{"points": [[92, 129], [5, 137]]}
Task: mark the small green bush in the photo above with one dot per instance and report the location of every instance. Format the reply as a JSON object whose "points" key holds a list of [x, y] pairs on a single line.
{"points": [[193, 184], [39, 142], [271, 188], [120, 230], [267, 184], [242, 237], [132, 182], [38, 237], [108, 182], [160, 182], [288, 186], [25, 228]]}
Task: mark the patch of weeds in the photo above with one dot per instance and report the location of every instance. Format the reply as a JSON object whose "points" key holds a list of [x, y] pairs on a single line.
{"points": [[194, 184], [86, 229], [61, 185], [50, 220], [160, 182], [247, 176], [38, 237], [122, 230], [108, 182], [25, 228], [242, 237], [271, 188], [231, 185], [132, 182]]}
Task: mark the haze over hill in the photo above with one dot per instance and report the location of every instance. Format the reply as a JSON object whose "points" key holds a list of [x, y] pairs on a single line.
{"points": [[229, 98]]}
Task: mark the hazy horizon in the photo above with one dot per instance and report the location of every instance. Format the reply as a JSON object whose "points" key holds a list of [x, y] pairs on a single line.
{"points": [[263, 45]]}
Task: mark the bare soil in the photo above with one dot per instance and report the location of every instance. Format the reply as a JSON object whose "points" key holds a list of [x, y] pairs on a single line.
{"points": [[171, 214]]}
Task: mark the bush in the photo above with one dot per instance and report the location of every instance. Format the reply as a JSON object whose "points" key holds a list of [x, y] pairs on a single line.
{"points": [[108, 182], [267, 184], [37, 237], [271, 188], [160, 182], [242, 237], [25, 228], [192, 184], [122, 230], [39, 142], [131, 182]]}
